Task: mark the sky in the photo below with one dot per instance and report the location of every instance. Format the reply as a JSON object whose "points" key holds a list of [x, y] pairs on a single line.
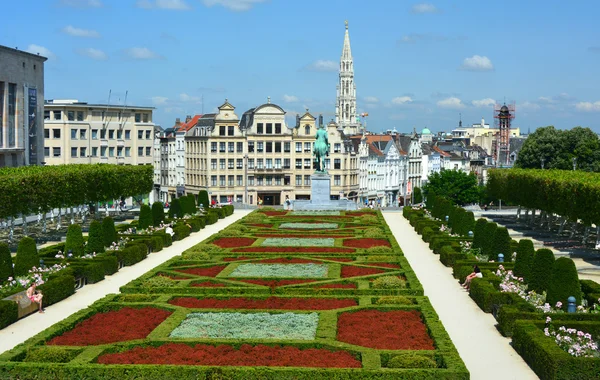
{"points": [[417, 64]]}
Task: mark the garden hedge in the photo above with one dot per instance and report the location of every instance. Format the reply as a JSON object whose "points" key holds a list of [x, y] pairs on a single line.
{"points": [[501, 244], [524, 260], [564, 283], [158, 213], [57, 289], [95, 242], [6, 264], [541, 270], [203, 199], [479, 233], [27, 256], [109, 232], [175, 208], [145, 220], [74, 243], [9, 313]]}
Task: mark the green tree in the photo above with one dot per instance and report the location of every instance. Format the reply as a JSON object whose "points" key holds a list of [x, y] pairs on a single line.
{"points": [[524, 260], [502, 243], [158, 213], [95, 239], [564, 283], [27, 256], [6, 268], [74, 241], [145, 219], [193, 207], [541, 270], [175, 209], [203, 199], [109, 233], [459, 187], [479, 233], [418, 195], [487, 242]]}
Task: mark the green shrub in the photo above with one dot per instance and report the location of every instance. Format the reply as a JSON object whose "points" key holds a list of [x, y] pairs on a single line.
{"points": [[194, 224], [487, 243], [50, 354], [27, 256], [468, 223], [93, 272], [175, 209], [57, 289], [158, 213], [449, 255], [192, 204], [195, 255], [379, 249], [159, 282], [132, 254], [373, 232], [208, 248], [478, 234], [136, 298], [109, 263], [108, 231], [228, 209], [564, 283], [394, 300], [524, 260], [412, 360], [427, 233], [95, 242], [367, 219], [145, 220], [203, 199], [590, 290], [502, 244], [166, 238], [6, 268], [157, 243], [389, 282], [74, 243], [541, 270], [9, 313], [181, 231]]}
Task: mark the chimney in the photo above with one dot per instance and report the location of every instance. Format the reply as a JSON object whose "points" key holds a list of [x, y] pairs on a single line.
{"points": [[178, 122], [297, 120], [320, 120], [188, 118]]}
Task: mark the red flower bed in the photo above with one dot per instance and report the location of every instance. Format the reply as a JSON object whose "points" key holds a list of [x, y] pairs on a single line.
{"points": [[276, 283], [233, 242], [269, 303], [225, 355], [352, 271], [384, 330], [295, 249], [340, 259], [113, 326], [263, 225], [206, 271], [316, 236], [208, 284], [236, 258], [284, 260], [387, 265], [337, 286], [365, 243], [274, 213]]}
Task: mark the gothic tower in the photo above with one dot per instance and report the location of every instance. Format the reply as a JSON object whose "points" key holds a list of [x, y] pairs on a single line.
{"points": [[345, 107]]}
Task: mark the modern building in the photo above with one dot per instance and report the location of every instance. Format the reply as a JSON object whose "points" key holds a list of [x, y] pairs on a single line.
{"points": [[21, 103], [80, 133]]}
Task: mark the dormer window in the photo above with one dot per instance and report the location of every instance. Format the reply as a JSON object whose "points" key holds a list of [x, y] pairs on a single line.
{"points": [[307, 130]]}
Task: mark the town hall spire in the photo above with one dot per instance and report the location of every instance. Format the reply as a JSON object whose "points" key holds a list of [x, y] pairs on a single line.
{"points": [[345, 108]]}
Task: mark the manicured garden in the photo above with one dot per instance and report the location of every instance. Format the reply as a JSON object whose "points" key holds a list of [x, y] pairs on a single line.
{"points": [[344, 303]]}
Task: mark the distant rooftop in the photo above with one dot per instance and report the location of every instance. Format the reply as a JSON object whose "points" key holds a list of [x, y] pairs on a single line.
{"points": [[17, 51], [77, 103]]}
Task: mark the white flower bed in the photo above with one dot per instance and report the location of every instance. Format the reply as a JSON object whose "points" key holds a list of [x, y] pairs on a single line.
{"points": [[310, 226], [248, 326], [281, 270], [317, 213], [298, 242]]}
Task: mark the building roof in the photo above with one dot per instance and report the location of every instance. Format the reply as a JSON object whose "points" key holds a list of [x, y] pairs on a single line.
{"points": [[184, 127], [425, 131], [17, 51], [75, 103], [441, 152]]}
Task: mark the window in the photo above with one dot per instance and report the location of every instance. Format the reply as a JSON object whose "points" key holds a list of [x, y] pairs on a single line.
{"points": [[298, 180], [82, 151], [46, 151], [269, 147], [79, 115], [298, 147], [213, 180], [213, 164], [259, 128], [240, 180], [278, 128], [222, 147], [222, 130], [148, 133], [307, 129], [307, 163], [127, 151], [82, 134], [46, 133], [337, 163], [278, 181], [240, 147], [230, 163], [103, 134], [56, 134], [278, 163], [286, 180], [73, 152], [111, 134], [270, 128], [46, 113], [286, 163], [251, 163], [307, 180], [222, 163], [269, 180], [286, 147], [259, 163], [277, 147], [327, 163], [119, 134], [230, 146], [140, 151], [240, 163], [259, 181], [71, 115], [230, 180], [337, 179], [57, 115], [230, 130], [307, 147], [138, 117], [298, 163], [94, 134], [140, 134], [95, 151], [103, 151], [213, 147], [250, 180], [56, 152], [269, 163], [145, 118], [127, 134], [148, 151], [259, 147], [250, 146], [221, 180], [73, 134]]}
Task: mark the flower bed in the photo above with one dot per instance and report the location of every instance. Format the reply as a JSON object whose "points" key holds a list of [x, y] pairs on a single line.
{"points": [[304, 235], [225, 355], [285, 260], [274, 213], [352, 271], [366, 243], [298, 242], [113, 326], [295, 249], [262, 225], [208, 284], [315, 213], [268, 303], [281, 270], [291, 326], [233, 242], [276, 283], [386, 265], [308, 226], [386, 330], [206, 271], [339, 259]]}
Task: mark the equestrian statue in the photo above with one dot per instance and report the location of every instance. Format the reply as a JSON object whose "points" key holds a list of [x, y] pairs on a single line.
{"points": [[321, 149]]}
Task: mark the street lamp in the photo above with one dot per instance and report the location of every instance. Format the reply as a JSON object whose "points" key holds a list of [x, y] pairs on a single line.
{"points": [[542, 160], [574, 163]]}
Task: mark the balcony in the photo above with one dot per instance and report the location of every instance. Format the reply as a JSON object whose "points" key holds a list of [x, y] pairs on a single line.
{"points": [[103, 142]]}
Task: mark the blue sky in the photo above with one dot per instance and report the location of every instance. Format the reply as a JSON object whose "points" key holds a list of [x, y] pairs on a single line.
{"points": [[417, 64]]}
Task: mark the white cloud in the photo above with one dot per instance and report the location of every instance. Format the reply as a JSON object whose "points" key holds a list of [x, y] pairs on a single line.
{"points": [[371, 99], [290, 98], [81, 3], [400, 100], [92, 53], [424, 8], [178, 5], [191, 99], [451, 103], [159, 100], [487, 102], [477, 63], [78, 32], [40, 50], [233, 5], [141, 53], [588, 106], [323, 65], [529, 106]]}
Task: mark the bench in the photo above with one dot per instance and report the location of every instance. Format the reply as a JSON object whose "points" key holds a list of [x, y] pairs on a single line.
{"points": [[26, 307]]}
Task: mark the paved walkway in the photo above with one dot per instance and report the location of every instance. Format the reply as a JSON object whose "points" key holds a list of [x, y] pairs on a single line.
{"points": [[487, 354], [27, 327]]}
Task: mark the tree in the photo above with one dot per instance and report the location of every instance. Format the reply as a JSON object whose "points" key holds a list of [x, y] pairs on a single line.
{"points": [[158, 213], [109, 233], [95, 240], [74, 241], [564, 283], [145, 219], [27, 256], [502, 243], [487, 243], [459, 187], [6, 268], [541, 270], [203, 199], [524, 260], [418, 195], [478, 234], [175, 209]]}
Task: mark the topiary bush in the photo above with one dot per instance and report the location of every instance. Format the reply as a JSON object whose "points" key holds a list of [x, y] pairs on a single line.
{"points": [[49, 354], [203, 199], [389, 282], [524, 260], [541, 270], [479, 233], [95, 241], [175, 209], [145, 219], [109, 233], [501, 244], [412, 360], [564, 283], [192, 204], [74, 241], [27, 256], [158, 213], [6, 268], [9, 313], [487, 243]]}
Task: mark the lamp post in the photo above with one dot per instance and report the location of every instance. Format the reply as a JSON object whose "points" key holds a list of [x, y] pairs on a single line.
{"points": [[542, 160], [574, 163]]}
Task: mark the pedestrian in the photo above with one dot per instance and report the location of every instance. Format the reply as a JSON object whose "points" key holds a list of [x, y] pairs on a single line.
{"points": [[35, 296], [260, 202], [287, 202]]}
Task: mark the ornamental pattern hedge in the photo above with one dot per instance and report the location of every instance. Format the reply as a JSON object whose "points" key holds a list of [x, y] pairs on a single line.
{"points": [[289, 311]]}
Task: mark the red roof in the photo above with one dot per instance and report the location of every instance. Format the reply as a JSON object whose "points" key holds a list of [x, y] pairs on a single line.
{"points": [[441, 152], [184, 127]]}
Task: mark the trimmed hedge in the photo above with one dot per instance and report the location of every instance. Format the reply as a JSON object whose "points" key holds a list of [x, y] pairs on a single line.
{"points": [[478, 234], [6, 264], [524, 260], [541, 270], [9, 313], [591, 291], [57, 289], [502, 244], [95, 242], [27, 256], [145, 220], [564, 283], [158, 213], [487, 242], [203, 199], [175, 209], [75, 240], [108, 231]]}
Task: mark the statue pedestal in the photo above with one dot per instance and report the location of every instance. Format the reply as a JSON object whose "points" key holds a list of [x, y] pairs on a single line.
{"points": [[320, 196]]}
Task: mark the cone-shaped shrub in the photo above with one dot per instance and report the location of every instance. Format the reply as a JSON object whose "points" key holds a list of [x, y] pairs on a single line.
{"points": [[468, 223], [524, 260], [145, 220], [479, 233], [203, 199], [109, 233], [95, 239], [487, 242], [564, 283], [6, 268], [27, 256], [541, 270], [158, 213], [175, 209], [74, 241], [193, 207], [502, 244]]}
